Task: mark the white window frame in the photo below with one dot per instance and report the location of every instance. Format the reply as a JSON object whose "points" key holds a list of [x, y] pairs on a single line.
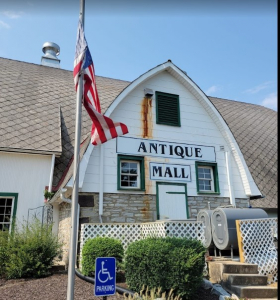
{"points": [[12, 211], [138, 175], [204, 179]]}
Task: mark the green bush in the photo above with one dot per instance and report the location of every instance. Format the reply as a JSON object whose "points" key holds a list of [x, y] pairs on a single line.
{"points": [[29, 251], [146, 264], [4, 235], [166, 263], [100, 247]]}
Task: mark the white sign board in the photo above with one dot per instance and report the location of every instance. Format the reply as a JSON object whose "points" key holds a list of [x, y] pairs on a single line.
{"points": [[170, 172], [145, 147]]}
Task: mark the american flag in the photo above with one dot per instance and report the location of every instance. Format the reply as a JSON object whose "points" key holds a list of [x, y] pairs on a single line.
{"points": [[103, 128]]}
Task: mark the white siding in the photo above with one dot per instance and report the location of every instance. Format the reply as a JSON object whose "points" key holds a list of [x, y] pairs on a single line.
{"points": [[26, 175], [197, 127]]}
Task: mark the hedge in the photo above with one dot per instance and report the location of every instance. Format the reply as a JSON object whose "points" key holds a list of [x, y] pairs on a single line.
{"points": [[166, 263], [100, 247]]}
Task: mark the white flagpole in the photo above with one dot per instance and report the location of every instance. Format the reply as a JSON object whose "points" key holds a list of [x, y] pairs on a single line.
{"points": [[74, 204]]}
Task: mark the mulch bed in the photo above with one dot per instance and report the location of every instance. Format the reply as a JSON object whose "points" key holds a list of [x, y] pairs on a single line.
{"points": [[54, 287]]}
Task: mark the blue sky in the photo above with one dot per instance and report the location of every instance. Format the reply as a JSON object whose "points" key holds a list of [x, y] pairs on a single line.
{"points": [[228, 48]]}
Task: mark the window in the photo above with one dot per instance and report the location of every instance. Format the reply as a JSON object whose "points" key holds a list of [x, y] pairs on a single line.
{"points": [[167, 109], [207, 180], [8, 205], [131, 173]]}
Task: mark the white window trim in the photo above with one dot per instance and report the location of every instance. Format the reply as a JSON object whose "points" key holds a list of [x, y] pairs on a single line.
{"points": [[138, 175], [211, 180], [12, 211]]}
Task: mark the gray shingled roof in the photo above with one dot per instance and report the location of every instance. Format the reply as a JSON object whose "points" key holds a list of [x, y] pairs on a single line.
{"points": [[33, 101], [255, 130], [37, 113]]}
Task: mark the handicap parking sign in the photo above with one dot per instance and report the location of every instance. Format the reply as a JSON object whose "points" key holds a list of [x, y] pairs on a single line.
{"points": [[105, 276]]}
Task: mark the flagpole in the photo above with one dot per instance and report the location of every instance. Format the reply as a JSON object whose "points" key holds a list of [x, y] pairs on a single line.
{"points": [[75, 193]]}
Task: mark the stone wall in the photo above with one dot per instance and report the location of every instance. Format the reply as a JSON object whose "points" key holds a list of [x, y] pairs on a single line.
{"points": [[64, 228], [197, 203], [129, 208]]}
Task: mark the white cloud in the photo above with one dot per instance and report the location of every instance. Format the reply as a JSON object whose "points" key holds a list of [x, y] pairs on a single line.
{"points": [[4, 25], [259, 87], [212, 89], [270, 101], [11, 14]]}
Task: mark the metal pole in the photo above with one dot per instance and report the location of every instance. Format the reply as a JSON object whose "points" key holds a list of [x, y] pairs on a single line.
{"points": [[74, 204]]}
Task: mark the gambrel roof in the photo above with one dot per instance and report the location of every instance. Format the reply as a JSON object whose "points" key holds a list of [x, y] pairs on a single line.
{"points": [[37, 112]]}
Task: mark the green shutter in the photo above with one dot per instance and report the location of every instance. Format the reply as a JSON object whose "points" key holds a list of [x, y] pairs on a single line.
{"points": [[168, 109]]}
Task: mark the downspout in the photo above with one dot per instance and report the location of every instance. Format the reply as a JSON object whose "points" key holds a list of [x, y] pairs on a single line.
{"points": [[229, 178], [55, 208], [51, 173], [64, 199], [101, 182]]}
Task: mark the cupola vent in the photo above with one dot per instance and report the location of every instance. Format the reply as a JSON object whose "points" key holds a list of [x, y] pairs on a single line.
{"points": [[51, 51]]}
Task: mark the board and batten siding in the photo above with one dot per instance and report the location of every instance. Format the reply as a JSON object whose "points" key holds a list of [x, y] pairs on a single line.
{"points": [[27, 175], [197, 128]]}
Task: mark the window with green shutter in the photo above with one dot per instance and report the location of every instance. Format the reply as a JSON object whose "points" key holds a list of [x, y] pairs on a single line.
{"points": [[168, 109]]}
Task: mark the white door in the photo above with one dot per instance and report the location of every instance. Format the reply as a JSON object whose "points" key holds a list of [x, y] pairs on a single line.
{"points": [[172, 201]]}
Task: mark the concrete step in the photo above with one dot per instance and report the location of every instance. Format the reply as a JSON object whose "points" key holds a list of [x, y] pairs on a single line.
{"points": [[216, 269], [243, 279], [240, 268], [260, 291], [58, 267]]}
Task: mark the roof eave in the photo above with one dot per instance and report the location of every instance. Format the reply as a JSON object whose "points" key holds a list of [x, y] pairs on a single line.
{"points": [[30, 151]]}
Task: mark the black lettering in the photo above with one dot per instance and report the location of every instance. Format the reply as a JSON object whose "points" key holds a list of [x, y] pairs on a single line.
{"points": [[162, 148], [183, 173], [167, 171], [180, 152], [187, 149], [154, 146], [143, 147], [175, 173], [170, 150], [197, 152], [157, 170]]}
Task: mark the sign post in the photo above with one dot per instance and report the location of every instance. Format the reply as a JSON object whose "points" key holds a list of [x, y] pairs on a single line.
{"points": [[105, 276]]}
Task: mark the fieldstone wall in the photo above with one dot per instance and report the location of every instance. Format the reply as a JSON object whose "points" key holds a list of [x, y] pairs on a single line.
{"points": [[130, 208], [64, 228], [197, 203]]}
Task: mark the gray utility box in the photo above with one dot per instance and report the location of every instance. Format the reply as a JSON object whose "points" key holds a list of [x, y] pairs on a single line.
{"points": [[204, 216], [224, 227]]}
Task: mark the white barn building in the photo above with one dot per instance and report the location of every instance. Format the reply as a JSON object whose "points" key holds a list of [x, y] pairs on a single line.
{"points": [[184, 151]]}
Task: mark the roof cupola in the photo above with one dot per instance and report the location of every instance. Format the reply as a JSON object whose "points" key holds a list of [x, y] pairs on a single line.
{"points": [[51, 51]]}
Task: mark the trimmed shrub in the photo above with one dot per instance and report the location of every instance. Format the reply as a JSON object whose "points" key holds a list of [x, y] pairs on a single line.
{"points": [[146, 264], [166, 263], [100, 247], [30, 251], [187, 261]]}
